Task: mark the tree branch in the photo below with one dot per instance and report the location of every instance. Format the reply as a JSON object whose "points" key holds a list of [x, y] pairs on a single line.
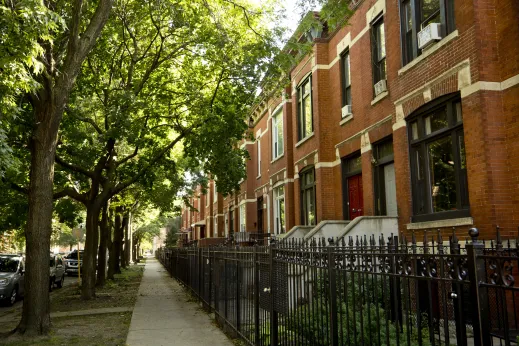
{"points": [[123, 185], [72, 167], [72, 193], [16, 187]]}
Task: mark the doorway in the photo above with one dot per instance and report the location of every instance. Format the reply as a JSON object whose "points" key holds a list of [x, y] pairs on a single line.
{"points": [[353, 199], [260, 214], [384, 179]]}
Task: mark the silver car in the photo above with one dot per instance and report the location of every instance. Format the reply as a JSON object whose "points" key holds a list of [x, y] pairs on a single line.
{"points": [[12, 271], [57, 271]]}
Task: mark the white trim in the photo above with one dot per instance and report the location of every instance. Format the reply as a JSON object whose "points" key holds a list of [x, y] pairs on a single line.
{"points": [[305, 139], [374, 11], [428, 52], [327, 164], [464, 221], [444, 75], [313, 152], [379, 97], [346, 119], [369, 128], [246, 143], [490, 86], [244, 201]]}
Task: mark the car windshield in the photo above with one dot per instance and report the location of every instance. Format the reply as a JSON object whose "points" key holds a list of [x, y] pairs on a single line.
{"points": [[73, 255], [8, 264]]}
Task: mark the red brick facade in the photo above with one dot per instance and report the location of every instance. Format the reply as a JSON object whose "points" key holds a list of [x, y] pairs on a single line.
{"points": [[478, 61]]}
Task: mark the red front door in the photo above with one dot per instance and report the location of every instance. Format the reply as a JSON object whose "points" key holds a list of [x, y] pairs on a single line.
{"points": [[355, 200]]}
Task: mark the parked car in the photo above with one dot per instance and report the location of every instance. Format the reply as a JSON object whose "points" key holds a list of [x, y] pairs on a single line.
{"points": [[71, 262], [57, 272], [12, 271]]}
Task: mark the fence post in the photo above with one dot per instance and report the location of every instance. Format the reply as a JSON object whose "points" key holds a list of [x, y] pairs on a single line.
{"points": [[273, 313], [477, 272], [334, 335], [200, 272], [256, 298], [237, 291]]}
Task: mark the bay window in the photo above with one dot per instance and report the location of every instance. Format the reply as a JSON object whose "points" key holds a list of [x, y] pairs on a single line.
{"points": [[438, 164]]}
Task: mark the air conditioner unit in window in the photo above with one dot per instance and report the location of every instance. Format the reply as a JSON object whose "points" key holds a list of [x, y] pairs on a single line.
{"points": [[430, 34], [380, 87], [346, 110]]}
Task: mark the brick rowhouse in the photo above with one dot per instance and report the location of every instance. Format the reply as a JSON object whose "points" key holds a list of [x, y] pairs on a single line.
{"points": [[441, 140]]}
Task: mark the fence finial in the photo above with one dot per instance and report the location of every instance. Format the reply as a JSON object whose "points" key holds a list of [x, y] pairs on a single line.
{"points": [[474, 234], [499, 242]]}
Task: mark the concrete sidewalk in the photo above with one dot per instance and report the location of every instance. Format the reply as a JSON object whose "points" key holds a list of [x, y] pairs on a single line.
{"points": [[163, 314]]}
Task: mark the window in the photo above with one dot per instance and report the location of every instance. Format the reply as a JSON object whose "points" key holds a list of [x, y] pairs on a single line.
{"points": [[279, 210], [304, 109], [379, 51], [346, 80], [215, 230], [307, 179], [215, 192], [277, 135], [416, 15], [226, 224], [438, 165], [207, 199], [259, 155], [242, 218]]}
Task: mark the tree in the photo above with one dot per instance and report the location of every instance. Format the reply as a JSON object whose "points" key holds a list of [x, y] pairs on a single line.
{"points": [[173, 227], [165, 89], [53, 59]]}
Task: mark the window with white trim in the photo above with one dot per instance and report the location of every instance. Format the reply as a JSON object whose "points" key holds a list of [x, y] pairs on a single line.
{"points": [[226, 224], [378, 42], [242, 218], [415, 15], [305, 124], [215, 229], [346, 80], [279, 209], [277, 134], [258, 141]]}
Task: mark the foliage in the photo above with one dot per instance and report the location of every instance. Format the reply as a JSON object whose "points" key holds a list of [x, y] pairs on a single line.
{"points": [[25, 27], [362, 315], [173, 227]]}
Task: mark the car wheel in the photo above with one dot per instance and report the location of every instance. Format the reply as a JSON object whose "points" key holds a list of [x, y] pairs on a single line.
{"points": [[13, 297], [60, 283], [51, 284]]}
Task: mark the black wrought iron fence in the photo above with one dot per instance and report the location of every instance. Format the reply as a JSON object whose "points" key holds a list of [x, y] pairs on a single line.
{"points": [[361, 291]]}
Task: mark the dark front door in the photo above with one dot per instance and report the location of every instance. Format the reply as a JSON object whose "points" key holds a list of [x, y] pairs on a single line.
{"points": [[355, 200], [202, 232], [260, 215]]}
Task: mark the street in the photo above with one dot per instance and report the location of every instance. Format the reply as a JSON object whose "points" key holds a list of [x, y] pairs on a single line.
{"points": [[17, 307]]}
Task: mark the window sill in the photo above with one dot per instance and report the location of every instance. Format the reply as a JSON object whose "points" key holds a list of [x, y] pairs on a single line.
{"points": [[304, 139], [346, 119], [277, 158], [380, 96], [464, 221], [428, 52]]}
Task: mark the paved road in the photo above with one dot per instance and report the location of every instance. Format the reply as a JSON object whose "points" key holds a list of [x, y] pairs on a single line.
{"points": [[164, 314], [4, 310]]}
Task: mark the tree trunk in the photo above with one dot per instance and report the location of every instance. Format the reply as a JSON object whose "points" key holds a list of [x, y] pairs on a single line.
{"points": [[117, 241], [124, 241], [35, 316], [89, 258], [101, 257], [128, 240]]}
